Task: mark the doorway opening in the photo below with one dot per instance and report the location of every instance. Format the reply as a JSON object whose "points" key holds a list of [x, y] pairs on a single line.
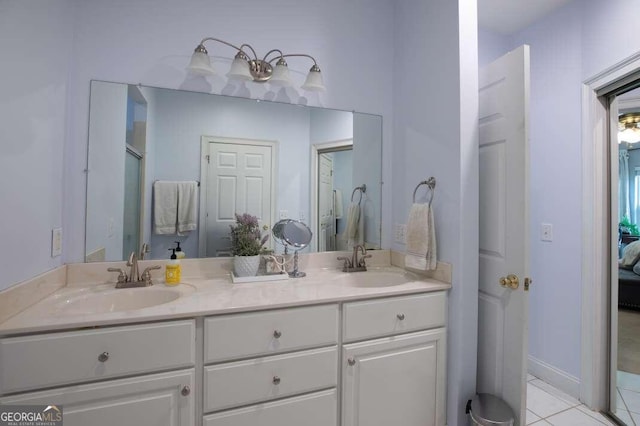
{"points": [[331, 183]]}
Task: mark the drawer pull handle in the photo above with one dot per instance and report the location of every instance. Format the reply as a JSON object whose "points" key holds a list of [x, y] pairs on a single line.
{"points": [[276, 380], [277, 334], [351, 361], [103, 357], [186, 390], [400, 317]]}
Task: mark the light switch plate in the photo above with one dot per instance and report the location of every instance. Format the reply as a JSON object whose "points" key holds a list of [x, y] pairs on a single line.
{"points": [[546, 232], [284, 214], [56, 242]]}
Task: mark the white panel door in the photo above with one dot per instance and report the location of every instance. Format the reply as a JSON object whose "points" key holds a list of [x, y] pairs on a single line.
{"points": [[504, 224], [239, 180], [398, 380], [326, 223], [165, 399]]}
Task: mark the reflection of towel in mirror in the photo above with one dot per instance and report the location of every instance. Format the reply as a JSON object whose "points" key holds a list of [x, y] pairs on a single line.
{"points": [[421, 238], [337, 197], [187, 207], [165, 207], [355, 225]]}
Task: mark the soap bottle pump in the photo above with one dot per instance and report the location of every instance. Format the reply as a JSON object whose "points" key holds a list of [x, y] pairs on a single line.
{"points": [[181, 254], [172, 272]]}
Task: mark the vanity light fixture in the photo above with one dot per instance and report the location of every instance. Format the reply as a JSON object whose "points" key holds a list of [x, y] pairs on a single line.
{"points": [[245, 67], [628, 130]]}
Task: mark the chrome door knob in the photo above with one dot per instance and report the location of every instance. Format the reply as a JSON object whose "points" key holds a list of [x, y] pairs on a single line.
{"points": [[277, 334], [400, 317], [186, 390], [276, 380], [103, 357], [351, 361]]}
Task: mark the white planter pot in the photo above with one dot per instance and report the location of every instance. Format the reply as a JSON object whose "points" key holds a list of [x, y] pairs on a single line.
{"points": [[246, 266]]}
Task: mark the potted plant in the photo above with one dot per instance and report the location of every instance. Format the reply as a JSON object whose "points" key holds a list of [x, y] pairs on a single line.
{"points": [[247, 245]]}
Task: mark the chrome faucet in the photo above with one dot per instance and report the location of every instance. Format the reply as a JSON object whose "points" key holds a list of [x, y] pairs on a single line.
{"points": [[354, 264], [144, 250], [134, 279]]}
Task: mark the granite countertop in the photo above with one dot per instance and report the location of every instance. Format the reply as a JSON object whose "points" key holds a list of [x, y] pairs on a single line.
{"points": [[201, 296]]}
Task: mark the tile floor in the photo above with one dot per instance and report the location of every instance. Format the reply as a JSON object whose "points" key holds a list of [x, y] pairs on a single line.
{"points": [[628, 395], [547, 405]]}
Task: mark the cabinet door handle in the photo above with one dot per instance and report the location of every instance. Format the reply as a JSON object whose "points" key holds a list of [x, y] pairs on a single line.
{"points": [[277, 334], [103, 357], [276, 380], [351, 361], [400, 317], [186, 390]]}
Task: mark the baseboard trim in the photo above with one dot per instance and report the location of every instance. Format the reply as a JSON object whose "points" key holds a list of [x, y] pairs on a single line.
{"points": [[555, 377]]}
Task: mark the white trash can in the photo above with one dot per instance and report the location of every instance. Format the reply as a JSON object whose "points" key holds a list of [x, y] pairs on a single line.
{"points": [[489, 410]]}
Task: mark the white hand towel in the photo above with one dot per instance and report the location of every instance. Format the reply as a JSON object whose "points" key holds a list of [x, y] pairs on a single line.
{"points": [[187, 207], [165, 207], [353, 222], [337, 195], [421, 239]]}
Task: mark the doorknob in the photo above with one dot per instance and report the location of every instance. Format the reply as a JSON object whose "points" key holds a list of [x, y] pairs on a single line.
{"points": [[510, 281], [265, 227]]}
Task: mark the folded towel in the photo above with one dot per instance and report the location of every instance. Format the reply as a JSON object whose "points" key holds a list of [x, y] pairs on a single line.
{"points": [[165, 207], [187, 207], [337, 197], [421, 238], [355, 225]]}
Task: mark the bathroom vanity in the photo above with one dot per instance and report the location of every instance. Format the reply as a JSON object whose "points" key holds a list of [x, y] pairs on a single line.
{"points": [[333, 348]]}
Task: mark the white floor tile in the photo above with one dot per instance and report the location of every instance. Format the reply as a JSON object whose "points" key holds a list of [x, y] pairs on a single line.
{"points": [[625, 416], [631, 399], [573, 417], [531, 418], [635, 419], [628, 381], [555, 392], [541, 422], [542, 403], [598, 416], [530, 377]]}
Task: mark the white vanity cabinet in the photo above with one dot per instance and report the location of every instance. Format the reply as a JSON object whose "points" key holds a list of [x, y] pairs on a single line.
{"points": [[399, 379], [288, 356], [82, 370]]}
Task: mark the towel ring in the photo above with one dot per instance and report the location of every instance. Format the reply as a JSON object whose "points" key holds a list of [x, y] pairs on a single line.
{"points": [[362, 190], [431, 184]]}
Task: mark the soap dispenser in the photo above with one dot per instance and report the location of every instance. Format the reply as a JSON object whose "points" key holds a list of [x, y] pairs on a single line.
{"points": [[181, 254], [172, 272]]}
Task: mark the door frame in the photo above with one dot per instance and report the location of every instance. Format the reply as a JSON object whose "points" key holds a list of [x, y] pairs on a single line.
{"points": [[205, 140], [597, 232], [313, 181]]}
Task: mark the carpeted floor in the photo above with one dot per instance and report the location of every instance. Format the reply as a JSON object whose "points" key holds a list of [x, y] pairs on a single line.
{"points": [[629, 341]]}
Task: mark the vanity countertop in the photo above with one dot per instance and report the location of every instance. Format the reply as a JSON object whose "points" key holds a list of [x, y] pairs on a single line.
{"points": [[203, 296]]}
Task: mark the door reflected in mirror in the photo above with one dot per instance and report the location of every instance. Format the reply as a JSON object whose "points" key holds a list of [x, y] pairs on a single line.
{"points": [[246, 156]]}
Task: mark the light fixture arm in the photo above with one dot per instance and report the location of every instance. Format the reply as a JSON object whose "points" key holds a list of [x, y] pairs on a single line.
{"points": [[239, 49]]}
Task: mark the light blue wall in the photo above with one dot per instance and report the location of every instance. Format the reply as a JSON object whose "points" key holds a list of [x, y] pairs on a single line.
{"points": [[36, 45]]}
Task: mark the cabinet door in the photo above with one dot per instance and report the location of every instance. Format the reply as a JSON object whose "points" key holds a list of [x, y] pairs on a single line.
{"points": [[395, 380], [154, 400]]}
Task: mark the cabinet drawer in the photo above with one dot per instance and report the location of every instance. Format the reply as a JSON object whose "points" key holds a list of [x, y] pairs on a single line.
{"points": [[150, 400], [54, 359], [251, 381], [393, 315], [316, 409], [263, 333]]}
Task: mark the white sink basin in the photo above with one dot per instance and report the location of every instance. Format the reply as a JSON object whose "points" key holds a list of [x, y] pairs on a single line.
{"points": [[101, 299], [379, 278]]}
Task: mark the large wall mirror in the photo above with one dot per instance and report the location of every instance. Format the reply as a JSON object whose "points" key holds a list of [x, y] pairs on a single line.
{"points": [[169, 166]]}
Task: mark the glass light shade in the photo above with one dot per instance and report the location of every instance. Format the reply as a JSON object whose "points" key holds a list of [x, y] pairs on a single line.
{"points": [[629, 135], [314, 82], [280, 76], [239, 70], [200, 64]]}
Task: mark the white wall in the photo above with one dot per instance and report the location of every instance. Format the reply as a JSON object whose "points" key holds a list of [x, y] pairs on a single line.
{"points": [[122, 41], [435, 134], [571, 45], [36, 43]]}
